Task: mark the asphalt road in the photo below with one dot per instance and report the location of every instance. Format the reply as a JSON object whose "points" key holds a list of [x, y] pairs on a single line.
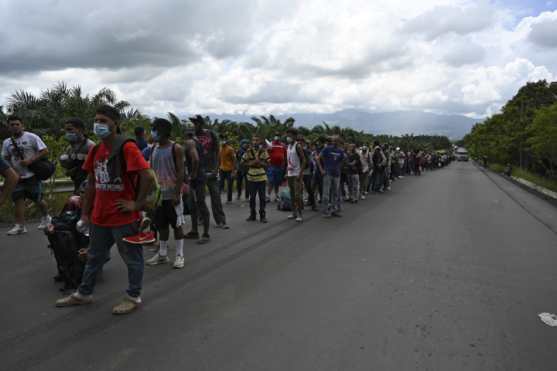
{"points": [[449, 271]]}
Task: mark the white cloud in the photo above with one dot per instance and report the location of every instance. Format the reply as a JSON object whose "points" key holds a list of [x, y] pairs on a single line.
{"points": [[459, 51], [451, 19], [261, 56], [543, 30]]}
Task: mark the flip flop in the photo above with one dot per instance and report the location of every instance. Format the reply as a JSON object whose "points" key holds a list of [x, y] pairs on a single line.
{"points": [[142, 238]]}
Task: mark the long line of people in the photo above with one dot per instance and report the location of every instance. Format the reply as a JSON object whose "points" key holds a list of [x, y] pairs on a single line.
{"points": [[121, 176], [303, 168]]}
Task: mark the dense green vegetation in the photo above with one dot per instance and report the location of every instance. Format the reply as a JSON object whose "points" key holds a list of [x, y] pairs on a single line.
{"points": [[45, 114], [524, 134]]}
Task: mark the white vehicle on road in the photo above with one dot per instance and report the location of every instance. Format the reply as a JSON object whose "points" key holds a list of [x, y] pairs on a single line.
{"points": [[461, 154]]}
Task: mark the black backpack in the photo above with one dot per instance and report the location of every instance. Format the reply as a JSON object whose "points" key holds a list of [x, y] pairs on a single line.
{"points": [[42, 168], [65, 242]]}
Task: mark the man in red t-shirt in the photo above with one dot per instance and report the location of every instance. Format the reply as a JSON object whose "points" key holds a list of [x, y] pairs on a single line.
{"points": [[119, 181], [277, 166]]}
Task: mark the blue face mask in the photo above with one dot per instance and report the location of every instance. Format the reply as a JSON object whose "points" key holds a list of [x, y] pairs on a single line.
{"points": [[72, 137], [101, 130], [155, 135]]}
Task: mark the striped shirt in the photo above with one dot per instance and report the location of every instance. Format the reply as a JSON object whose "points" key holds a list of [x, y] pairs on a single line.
{"points": [[256, 174]]}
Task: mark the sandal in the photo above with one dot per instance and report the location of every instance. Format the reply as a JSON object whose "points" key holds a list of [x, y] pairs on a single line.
{"points": [[126, 306]]}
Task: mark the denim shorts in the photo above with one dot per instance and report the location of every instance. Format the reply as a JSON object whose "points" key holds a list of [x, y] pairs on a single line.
{"points": [[275, 175], [29, 188]]}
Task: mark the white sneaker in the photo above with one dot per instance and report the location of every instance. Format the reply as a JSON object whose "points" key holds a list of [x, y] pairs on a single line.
{"points": [[45, 221], [292, 216], [17, 230], [179, 262], [299, 219], [363, 197], [157, 259]]}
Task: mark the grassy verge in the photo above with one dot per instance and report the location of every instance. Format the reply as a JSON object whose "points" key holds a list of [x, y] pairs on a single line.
{"points": [[550, 184], [55, 203], [498, 168]]}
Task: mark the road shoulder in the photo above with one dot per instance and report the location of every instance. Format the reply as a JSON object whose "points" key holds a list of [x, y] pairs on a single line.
{"points": [[538, 207]]}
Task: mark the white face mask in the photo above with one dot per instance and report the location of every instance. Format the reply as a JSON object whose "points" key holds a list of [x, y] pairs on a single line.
{"points": [[290, 140]]}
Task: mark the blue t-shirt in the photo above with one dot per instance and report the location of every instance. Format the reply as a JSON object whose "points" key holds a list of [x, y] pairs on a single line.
{"points": [[332, 160], [146, 152], [141, 143], [3, 166]]}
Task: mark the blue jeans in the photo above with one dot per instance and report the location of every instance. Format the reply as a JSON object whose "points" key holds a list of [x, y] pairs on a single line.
{"points": [[275, 175], [226, 177], [102, 239], [354, 187], [331, 194], [377, 180], [216, 203]]}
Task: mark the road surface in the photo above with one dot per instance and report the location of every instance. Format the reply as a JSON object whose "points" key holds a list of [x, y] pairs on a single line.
{"points": [[449, 271]]}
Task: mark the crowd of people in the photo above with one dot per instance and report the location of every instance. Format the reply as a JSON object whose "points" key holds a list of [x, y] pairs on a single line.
{"points": [[118, 176]]}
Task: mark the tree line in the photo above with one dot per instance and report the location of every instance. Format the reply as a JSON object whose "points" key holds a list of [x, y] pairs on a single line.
{"points": [[45, 114], [523, 134]]}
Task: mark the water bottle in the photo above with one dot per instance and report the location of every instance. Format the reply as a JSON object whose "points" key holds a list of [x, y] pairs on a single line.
{"points": [[82, 227]]}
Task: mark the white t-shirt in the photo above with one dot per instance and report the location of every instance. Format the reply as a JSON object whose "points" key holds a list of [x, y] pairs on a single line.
{"points": [[294, 166], [28, 143]]}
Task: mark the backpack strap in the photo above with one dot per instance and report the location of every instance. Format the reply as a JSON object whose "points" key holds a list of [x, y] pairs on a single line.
{"points": [[174, 154], [18, 150], [153, 148], [118, 149], [94, 151]]}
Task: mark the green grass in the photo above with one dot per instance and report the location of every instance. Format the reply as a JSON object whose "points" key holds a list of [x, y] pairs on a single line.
{"points": [[550, 184], [55, 203], [498, 168]]}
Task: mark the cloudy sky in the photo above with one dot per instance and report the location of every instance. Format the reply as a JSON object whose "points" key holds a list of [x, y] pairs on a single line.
{"points": [[262, 56]]}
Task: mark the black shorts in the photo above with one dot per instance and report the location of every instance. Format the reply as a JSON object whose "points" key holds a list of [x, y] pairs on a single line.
{"points": [[165, 215]]}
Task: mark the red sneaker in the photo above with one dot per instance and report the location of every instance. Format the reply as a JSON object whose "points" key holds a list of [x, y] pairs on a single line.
{"points": [[142, 238]]}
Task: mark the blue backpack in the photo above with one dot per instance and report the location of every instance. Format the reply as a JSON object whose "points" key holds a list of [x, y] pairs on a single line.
{"points": [[284, 200]]}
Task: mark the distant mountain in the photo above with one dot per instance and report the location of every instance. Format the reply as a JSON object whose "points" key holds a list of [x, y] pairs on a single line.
{"points": [[390, 123]]}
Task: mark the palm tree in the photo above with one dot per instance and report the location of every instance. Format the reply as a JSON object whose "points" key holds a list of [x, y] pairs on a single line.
{"points": [[103, 96], [178, 125], [49, 110], [289, 122], [22, 100]]}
